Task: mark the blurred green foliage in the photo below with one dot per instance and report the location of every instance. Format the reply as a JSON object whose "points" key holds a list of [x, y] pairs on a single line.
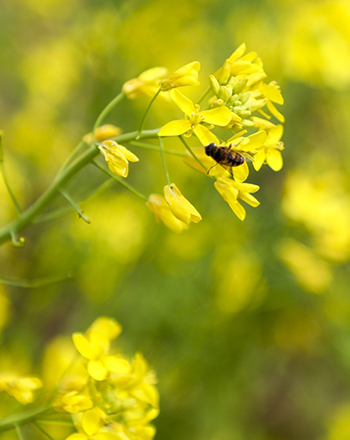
{"points": [[246, 324]]}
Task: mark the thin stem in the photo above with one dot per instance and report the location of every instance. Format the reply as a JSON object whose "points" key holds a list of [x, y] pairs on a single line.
{"points": [[10, 422], [161, 148], [54, 189], [75, 206], [2, 169], [203, 95], [42, 430], [109, 107], [191, 152], [154, 148], [146, 113], [37, 282], [19, 432], [72, 155], [119, 180]]}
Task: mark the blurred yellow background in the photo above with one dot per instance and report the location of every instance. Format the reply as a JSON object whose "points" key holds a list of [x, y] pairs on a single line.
{"points": [[247, 324]]}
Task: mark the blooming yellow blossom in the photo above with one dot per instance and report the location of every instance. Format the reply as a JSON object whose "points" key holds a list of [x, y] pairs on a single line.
{"points": [[185, 76], [192, 123], [146, 83], [270, 152], [102, 133], [72, 402], [21, 388], [117, 157], [162, 212], [92, 427], [180, 206], [231, 191]]}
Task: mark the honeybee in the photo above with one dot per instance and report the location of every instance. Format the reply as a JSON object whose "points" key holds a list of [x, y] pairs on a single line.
{"points": [[225, 156]]}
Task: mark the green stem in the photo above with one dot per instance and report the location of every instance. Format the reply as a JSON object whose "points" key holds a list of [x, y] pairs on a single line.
{"points": [[203, 95], [191, 152], [37, 282], [42, 430], [61, 180], [72, 155], [146, 113], [14, 420], [109, 107], [161, 148], [119, 180], [2, 169], [154, 148], [19, 432], [75, 206]]}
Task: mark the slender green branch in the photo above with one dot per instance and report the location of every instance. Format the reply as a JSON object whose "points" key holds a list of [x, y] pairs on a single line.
{"points": [[3, 172], [161, 148], [146, 113], [203, 95], [191, 152], [119, 180], [10, 422], [72, 155], [75, 206], [60, 181], [19, 432], [154, 148], [36, 282], [109, 107], [17, 241], [42, 430]]}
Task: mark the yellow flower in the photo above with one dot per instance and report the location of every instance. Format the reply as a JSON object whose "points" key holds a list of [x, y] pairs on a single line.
{"points": [[180, 207], [192, 123], [94, 346], [21, 388], [147, 83], [102, 133], [162, 212], [72, 402], [185, 76], [273, 94], [231, 191], [92, 427], [117, 157], [270, 152]]}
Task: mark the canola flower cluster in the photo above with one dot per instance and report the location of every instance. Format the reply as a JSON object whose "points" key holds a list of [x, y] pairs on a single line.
{"points": [[241, 105], [106, 396]]}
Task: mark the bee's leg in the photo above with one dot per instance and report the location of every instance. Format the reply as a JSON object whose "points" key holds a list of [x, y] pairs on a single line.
{"points": [[211, 168]]}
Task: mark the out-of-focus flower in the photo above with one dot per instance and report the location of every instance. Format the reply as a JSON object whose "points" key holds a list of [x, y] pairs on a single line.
{"points": [[231, 191], [185, 76], [102, 133], [180, 206], [162, 212], [270, 152], [117, 157], [192, 123], [72, 402], [21, 388], [311, 272], [92, 427], [147, 83]]}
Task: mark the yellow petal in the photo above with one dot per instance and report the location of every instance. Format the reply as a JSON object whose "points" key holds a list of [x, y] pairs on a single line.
{"points": [[274, 159], [274, 135], [180, 206], [97, 370], [238, 53], [218, 116], [77, 437], [116, 364], [251, 200], [162, 212], [256, 140], [241, 172], [185, 76], [274, 111], [108, 326], [259, 159], [238, 209], [90, 421], [83, 346], [204, 135], [272, 92], [153, 74], [175, 128], [184, 104]]}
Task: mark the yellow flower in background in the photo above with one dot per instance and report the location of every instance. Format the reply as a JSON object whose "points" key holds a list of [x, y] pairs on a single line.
{"points": [[270, 152], [92, 427], [192, 123], [180, 206], [103, 133], [72, 402], [185, 76], [21, 388], [117, 157], [147, 83], [231, 191], [162, 212]]}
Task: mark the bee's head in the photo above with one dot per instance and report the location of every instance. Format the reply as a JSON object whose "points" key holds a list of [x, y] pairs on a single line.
{"points": [[209, 148]]}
